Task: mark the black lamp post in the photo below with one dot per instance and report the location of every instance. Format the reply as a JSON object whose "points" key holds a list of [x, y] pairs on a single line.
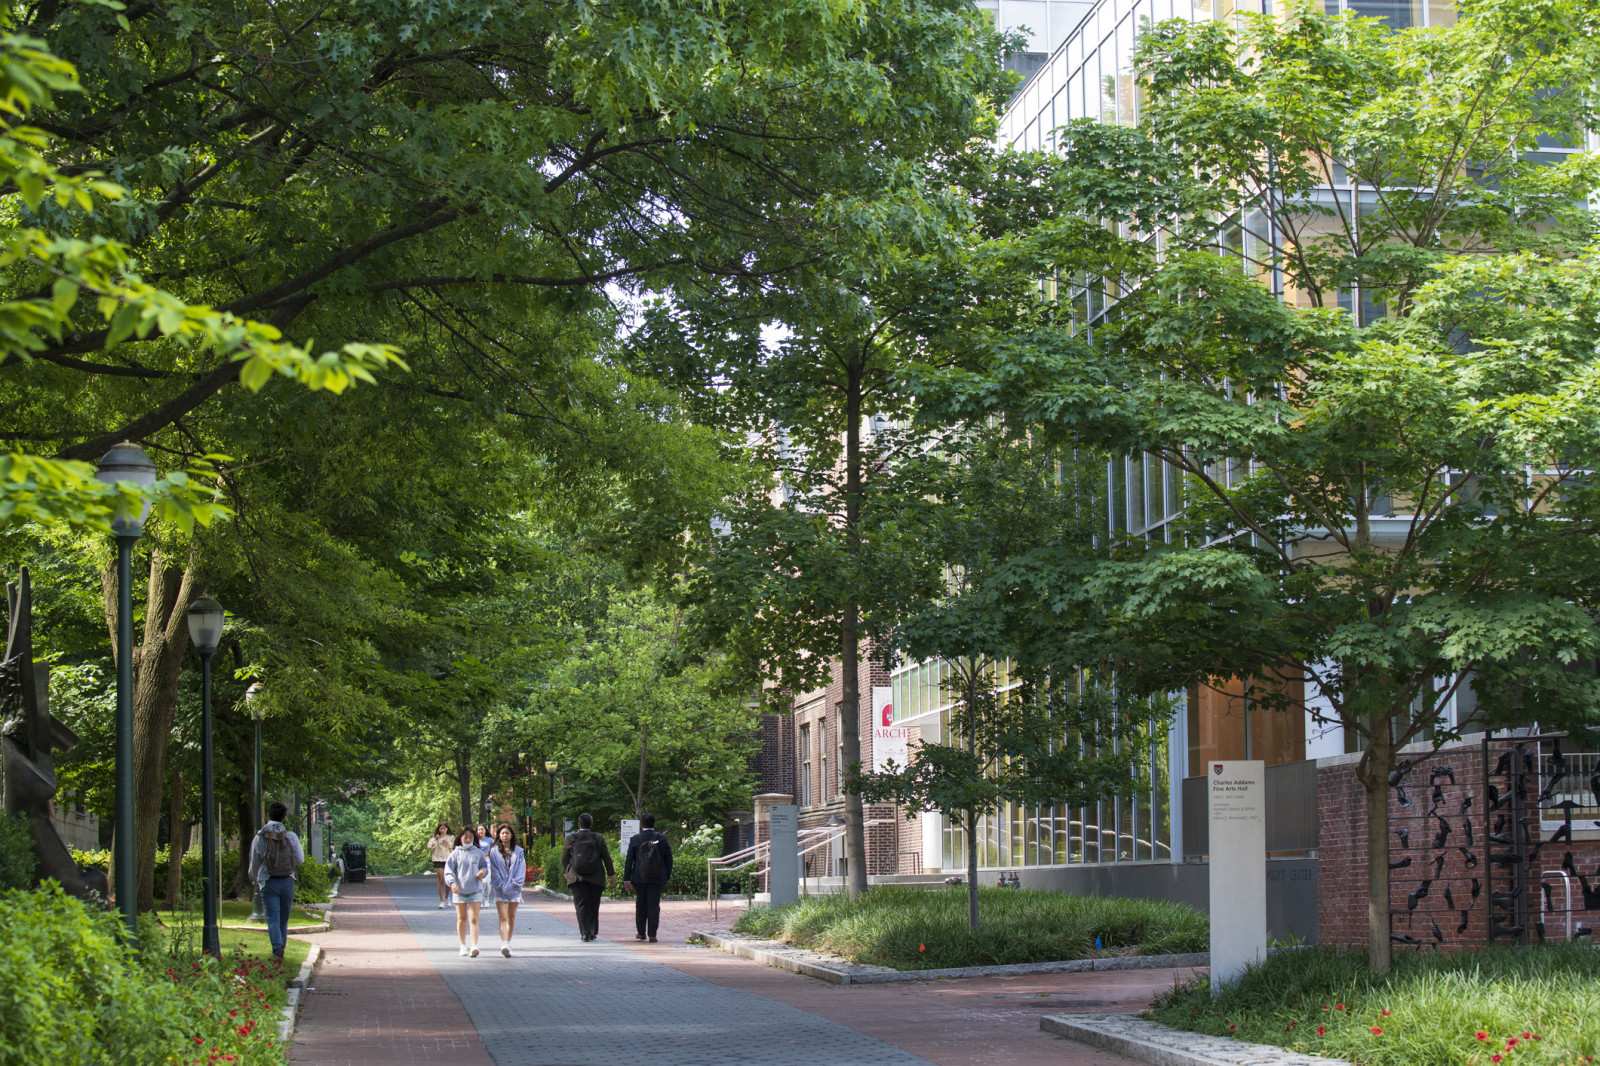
{"points": [[257, 912], [550, 768], [123, 464], [205, 629]]}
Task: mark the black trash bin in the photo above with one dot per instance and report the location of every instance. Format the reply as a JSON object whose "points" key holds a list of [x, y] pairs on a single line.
{"points": [[355, 862]]}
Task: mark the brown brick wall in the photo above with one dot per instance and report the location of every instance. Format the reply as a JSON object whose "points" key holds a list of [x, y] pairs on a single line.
{"points": [[1342, 843]]}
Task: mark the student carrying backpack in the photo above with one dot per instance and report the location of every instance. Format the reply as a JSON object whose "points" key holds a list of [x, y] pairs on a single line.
{"points": [[586, 864], [275, 858], [647, 869]]}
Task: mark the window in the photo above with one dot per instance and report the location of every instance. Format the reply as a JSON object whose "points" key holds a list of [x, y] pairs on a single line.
{"points": [[805, 764], [822, 756]]}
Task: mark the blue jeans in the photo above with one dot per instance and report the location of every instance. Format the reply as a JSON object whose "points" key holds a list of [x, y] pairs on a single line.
{"points": [[277, 899]]}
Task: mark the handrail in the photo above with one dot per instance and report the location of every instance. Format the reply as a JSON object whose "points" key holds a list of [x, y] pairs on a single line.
{"points": [[761, 852]]}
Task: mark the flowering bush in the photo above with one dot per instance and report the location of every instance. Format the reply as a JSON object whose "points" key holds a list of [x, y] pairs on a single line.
{"points": [[73, 992]]}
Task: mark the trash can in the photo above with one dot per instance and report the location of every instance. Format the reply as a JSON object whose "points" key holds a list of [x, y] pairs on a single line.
{"points": [[355, 862]]}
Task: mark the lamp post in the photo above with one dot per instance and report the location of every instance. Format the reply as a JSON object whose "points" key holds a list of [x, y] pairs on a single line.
{"points": [[205, 629], [123, 464], [257, 914], [550, 768]]}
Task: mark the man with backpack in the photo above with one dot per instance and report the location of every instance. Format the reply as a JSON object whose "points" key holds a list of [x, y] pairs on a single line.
{"points": [[586, 863], [647, 869], [275, 859]]}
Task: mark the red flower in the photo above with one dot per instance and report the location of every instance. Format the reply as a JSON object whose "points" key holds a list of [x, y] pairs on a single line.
{"points": [[1231, 1028], [1376, 1031], [1293, 1024], [1338, 1006], [1384, 1013], [1511, 1041], [1482, 1035], [1321, 1029], [1527, 1036], [1494, 1058]]}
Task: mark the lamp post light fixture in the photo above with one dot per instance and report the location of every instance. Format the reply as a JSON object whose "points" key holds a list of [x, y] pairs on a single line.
{"points": [[257, 913], [550, 768], [126, 463], [205, 630]]}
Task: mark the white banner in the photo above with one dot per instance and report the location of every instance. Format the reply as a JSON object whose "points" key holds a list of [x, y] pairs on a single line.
{"points": [[630, 829], [889, 741]]}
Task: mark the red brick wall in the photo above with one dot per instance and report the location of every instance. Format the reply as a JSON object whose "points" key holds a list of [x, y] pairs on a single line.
{"points": [[1342, 843]]}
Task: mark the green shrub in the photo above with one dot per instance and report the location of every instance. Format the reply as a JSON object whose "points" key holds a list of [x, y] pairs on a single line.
{"points": [[98, 859], [922, 929], [689, 877], [227, 867], [17, 860], [74, 994], [315, 884]]}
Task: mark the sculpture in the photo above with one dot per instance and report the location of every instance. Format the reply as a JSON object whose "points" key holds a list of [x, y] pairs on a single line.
{"points": [[28, 734]]}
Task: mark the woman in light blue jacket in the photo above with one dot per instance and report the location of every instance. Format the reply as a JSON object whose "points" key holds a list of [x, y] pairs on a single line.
{"points": [[466, 871], [508, 869]]}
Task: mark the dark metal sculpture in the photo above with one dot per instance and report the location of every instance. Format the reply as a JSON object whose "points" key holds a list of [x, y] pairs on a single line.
{"points": [[28, 735]]}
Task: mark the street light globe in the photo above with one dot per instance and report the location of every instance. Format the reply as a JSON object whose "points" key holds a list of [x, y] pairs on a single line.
{"points": [[250, 695], [550, 767], [205, 624], [127, 462]]}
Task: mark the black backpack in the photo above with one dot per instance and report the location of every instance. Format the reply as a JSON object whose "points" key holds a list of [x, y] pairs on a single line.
{"points": [[585, 854], [649, 866], [277, 856]]}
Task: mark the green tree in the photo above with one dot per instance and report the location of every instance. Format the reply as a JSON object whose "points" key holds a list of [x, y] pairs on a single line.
{"points": [[1058, 737], [1394, 510], [633, 733]]}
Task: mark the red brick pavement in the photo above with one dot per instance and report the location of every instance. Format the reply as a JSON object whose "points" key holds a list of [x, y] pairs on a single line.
{"points": [[974, 1022], [377, 1000]]}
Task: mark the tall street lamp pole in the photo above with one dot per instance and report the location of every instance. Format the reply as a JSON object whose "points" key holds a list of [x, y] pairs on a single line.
{"points": [[550, 768], [257, 913], [126, 463], [205, 630]]}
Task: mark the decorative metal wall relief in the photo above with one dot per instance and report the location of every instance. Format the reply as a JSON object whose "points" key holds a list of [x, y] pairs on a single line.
{"points": [[29, 733]]}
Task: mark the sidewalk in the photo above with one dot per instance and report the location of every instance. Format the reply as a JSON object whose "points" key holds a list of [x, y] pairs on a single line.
{"points": [[972, 1022], [376, 999]]}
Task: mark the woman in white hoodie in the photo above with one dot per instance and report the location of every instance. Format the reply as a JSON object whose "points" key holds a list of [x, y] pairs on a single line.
{"points": [[466, 871], [508, 869]]}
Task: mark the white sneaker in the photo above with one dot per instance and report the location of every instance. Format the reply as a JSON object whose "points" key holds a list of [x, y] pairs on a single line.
{"points": [[463, 949], [505, 949], [443, 904], [474, 952]]}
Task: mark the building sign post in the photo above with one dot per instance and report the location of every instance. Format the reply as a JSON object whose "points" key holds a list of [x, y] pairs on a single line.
{"points": [[783, 843], [889, 741], [1238, 822]]}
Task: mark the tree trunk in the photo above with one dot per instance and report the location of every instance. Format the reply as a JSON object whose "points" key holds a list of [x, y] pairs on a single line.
{"points": [[483, 805], [972, 869], [1373, 773], [463, 758], [855, 834], [242, 886], [158, 662], [177, 845], [644, 754]]}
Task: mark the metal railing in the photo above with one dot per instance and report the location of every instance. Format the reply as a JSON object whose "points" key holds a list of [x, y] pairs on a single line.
{"points": [[759, 855]]}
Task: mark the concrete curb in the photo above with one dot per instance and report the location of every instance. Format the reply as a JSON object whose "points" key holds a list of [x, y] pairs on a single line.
{"points": [[297, 988], [1160, 1045], [782, 957]]}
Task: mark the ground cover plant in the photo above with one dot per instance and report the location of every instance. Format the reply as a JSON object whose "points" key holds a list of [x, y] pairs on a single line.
{"points": [[924, 929], [237, 912], [75, 994], [1495, 1006]]}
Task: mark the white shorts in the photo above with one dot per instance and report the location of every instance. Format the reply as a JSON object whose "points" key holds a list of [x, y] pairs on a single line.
{"points": [[466, 897]]}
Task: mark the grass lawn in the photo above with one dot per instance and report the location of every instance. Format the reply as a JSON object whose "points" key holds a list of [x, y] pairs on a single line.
{"points": [[237, 912], [1494, 1006], [926, 929]]}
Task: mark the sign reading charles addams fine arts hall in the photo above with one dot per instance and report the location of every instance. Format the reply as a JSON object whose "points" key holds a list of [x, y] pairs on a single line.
{"points": [[1238, 823]]}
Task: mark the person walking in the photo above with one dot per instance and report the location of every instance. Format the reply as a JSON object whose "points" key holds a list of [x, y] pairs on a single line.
{"points": [[647, 869], [508, 869], [586, 864], [439, 847], [485, 838], [466, 871], [275, 860]]}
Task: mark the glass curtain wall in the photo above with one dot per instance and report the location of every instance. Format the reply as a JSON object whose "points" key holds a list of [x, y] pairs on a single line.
{"points": [[1136, 829]]}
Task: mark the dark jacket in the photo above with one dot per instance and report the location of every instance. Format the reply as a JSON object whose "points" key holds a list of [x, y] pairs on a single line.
{"points": [[630, 867], [572, 876]]}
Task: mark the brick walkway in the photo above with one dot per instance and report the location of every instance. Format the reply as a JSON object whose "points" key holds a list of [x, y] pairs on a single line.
{"points": [[377, 999], [394, 991]]}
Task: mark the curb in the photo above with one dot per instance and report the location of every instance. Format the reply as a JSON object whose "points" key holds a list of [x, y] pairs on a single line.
{"points": [[297, 988], [1160, 1045], [781, 957]]}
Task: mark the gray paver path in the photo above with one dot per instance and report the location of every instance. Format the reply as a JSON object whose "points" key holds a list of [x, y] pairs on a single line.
{"points": [[560, 1002]]}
